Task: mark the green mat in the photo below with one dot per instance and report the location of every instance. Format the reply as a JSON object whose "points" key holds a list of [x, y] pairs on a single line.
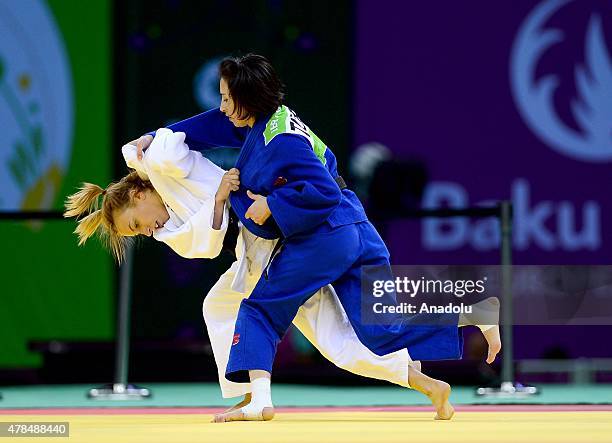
{"points": [[208, 394]]}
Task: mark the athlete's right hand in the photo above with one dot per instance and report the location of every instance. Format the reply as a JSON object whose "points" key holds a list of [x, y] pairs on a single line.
{"points": [[143, 143], [230, 182]]}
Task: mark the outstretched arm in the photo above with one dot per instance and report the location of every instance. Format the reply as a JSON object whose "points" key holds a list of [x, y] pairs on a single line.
{"points": [[208, 130]]}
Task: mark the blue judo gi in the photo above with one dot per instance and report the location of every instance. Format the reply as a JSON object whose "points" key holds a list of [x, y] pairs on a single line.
{"points": [[325, 234]]}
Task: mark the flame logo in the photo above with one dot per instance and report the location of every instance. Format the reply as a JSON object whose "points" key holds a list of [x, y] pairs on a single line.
{"points": [[592, 109]]}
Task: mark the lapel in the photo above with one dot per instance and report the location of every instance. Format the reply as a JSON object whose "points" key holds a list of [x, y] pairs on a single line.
{"points": [[250, 142], [247, 161]]}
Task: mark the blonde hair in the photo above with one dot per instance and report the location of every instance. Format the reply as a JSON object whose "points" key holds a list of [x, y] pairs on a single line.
{"points": [[99, 218]]}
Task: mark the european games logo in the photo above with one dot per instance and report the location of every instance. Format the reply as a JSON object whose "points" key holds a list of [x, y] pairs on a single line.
{"points": [[36, 106], [591, 109]]}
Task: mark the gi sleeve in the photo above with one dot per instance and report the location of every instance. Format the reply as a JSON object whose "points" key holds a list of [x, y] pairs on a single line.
{"points": [[131, 160], [169, 155], [209, 130], [310, 194]]}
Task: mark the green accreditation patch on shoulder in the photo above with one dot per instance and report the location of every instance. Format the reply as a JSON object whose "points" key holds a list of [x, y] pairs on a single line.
{"points": [[285, 121]]}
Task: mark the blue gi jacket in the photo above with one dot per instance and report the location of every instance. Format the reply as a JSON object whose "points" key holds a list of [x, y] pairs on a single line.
{"points": [[327, 239], [283, 161]]}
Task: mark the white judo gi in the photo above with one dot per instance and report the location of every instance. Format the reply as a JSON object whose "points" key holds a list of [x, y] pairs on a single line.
{"points": [[187, 183]]}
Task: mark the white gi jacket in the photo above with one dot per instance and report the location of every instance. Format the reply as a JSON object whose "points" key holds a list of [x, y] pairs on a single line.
{"points": [[187, 182]]}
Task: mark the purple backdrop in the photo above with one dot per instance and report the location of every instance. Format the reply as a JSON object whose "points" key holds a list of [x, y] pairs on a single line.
{"points": [[501, 100]]}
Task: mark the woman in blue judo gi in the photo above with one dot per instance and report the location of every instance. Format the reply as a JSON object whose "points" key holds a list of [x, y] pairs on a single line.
{"points": [[290, 189]]}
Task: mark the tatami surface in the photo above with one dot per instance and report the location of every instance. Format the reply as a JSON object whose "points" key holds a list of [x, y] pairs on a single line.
{"points": [[182, 413]]}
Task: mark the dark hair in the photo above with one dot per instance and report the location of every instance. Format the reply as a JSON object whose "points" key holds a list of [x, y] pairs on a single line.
{"points": [[253, 85]]}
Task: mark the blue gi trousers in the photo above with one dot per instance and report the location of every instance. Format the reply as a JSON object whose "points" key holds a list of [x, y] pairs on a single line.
{"points": [[307, 262]]}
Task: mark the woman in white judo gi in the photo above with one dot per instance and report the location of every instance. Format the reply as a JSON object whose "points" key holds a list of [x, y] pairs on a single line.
{"points": [[179, 197]]}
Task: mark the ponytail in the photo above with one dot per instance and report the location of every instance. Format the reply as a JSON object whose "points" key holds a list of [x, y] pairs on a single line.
{"points": [[94, 216], [85, 201]]}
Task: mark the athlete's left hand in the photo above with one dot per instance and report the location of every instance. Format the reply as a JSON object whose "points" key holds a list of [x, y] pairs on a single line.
{"points": [[259, 210]]}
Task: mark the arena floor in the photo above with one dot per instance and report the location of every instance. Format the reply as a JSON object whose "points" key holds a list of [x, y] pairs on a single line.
{"points": [[323, 415]]}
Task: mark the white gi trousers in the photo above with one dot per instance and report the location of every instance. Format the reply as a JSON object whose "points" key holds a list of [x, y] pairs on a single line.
{"points": [[321, 320]]}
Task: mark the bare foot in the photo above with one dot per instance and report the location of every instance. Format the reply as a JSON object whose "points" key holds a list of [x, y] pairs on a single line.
{"points": [[245, 401], [439, 398], [491, 334], [485, 315], [437, 391], [415, 364], [266, 414], [493, 339]]}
